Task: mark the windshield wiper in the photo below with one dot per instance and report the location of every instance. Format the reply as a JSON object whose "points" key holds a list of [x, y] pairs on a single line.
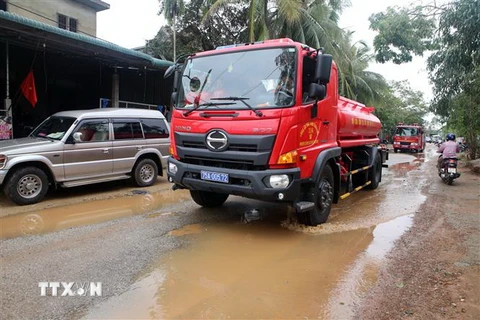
{"points": [[207, 104], [241, 99]]}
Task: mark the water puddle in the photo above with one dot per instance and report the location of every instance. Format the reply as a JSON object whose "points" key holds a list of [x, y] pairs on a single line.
{"points": [[259, 271], [247, 271], [268, 268], [186, 230], [362, 276], [58, 218]]}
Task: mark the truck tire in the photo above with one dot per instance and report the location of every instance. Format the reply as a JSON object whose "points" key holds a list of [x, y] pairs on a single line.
{"points": [[208, 199], [27, 185], [395, 150], [323, 197], [145, 172], [375, 173]]}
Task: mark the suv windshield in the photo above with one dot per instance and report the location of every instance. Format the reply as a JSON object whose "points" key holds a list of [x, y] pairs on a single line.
{"points": [[53, 128], [407, 132], [262, 78]]}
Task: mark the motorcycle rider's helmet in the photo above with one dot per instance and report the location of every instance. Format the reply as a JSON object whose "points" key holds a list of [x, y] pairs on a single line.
{"points": [[450, 136]]}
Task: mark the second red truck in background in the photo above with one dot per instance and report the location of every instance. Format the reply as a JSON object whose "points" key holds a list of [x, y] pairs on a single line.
{"points": [[409, 137]]}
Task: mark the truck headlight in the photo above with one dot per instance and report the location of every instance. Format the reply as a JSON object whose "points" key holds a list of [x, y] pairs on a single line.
{"points": [[172, 168], [279, 181], [414, 144], [396, 142], [3, 161]]}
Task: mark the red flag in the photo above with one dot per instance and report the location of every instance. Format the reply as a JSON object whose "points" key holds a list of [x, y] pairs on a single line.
{"points": [[28, 89]]}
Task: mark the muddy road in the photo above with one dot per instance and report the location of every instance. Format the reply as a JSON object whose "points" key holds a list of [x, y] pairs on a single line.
{"points": [[158, 255]]}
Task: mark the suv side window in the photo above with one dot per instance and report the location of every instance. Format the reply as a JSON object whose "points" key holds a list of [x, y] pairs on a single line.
{"points": [[154, 128], [93, 130], [127, 130]]}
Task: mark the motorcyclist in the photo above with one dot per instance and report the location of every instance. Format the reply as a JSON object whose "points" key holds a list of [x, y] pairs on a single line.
{"points": [[448, 149]]}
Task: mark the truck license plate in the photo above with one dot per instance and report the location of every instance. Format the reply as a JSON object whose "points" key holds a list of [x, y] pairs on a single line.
{"points": [[214, 176], [452, 170]]}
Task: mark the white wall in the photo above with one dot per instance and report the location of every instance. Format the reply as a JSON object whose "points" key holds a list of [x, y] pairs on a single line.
{"points": [[47, 11]]}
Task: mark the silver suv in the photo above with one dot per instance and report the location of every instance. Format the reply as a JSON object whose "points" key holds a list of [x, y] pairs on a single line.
{"points": [[74, 148]]}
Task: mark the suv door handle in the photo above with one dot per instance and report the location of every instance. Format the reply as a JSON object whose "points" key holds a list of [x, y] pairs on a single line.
{"points": [[106, 151]]}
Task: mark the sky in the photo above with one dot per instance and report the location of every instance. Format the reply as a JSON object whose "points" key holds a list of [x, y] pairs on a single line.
{"points": [[131, 25]]}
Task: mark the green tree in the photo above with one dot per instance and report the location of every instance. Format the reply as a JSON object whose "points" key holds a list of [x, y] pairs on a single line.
{"points": [[451, 31], [355, 81], [400, 103], [225, 27], [313, 22]]}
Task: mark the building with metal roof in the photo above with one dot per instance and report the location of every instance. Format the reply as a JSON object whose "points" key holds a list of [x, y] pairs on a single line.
{"points": [[72, 70]]}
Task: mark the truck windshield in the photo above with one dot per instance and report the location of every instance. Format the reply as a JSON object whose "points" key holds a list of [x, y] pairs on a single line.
{"points": [[53, 128], [265, 78], [407, 132]]}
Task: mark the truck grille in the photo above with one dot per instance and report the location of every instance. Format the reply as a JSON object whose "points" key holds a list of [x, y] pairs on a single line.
{"points": [[244, 152], [221, 163], [405, 143], [232, 146]]}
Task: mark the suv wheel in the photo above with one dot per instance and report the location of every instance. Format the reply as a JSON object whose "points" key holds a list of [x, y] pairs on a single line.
{"points": [[145, 173], [27, 185]]}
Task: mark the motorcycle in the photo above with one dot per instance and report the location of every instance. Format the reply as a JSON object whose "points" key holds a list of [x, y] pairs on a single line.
{"points": [[448, 171], [463, 147]]}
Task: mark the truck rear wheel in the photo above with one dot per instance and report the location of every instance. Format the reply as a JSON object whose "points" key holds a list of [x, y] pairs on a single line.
{"points": [[375, 173], [323, 197], [27, 185], [208, 199]]}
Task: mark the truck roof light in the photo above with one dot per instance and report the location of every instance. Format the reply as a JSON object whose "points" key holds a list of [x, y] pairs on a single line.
{"points": [[282, 40]]}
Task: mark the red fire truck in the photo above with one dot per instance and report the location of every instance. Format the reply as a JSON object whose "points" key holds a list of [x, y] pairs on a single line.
{"points": [[264, 120], [409, 137]]}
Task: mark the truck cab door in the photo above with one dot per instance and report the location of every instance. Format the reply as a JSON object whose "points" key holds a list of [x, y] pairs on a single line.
{"points": [[317, 127]]}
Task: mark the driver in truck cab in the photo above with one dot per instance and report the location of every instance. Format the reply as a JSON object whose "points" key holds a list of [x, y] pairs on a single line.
{"points": [[448, 149]]}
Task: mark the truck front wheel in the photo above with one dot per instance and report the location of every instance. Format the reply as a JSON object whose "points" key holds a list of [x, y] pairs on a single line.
{"points": [[27, 185], [208, 199], [323, 197]]}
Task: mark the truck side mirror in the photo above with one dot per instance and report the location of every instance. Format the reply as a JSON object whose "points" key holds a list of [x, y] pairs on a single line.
{"points": [[170, 71], [173, 98], [175, 71], [317, 91], [323, 68]]}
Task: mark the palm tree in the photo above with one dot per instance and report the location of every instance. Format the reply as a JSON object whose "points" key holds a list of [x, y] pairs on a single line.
{"points": [[313, 22], [171, 9], [355, 82]]}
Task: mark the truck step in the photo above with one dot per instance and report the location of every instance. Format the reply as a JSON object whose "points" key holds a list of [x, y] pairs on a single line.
{"points": [[304, 206]]}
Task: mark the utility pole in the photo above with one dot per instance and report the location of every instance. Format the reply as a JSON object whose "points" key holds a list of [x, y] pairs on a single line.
{"points": [[174, 38]]}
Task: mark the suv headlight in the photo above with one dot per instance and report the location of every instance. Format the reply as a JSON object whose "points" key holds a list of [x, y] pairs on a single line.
{"points": [[3, 161]]}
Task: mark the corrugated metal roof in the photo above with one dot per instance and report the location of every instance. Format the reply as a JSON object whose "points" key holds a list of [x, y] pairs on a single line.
{"points": [[95, 42]]}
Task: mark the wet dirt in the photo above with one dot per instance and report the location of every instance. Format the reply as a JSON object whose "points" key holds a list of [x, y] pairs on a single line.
{"points": [[72, 196], [433, 271], [272, 267], [89, 212], [406, 250]]}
